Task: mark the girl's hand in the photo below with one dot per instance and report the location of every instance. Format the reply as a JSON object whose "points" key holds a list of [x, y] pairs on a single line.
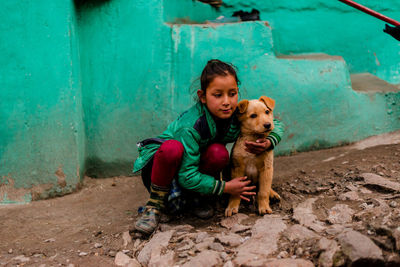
{"points": [[239, 187], [257, 147]]}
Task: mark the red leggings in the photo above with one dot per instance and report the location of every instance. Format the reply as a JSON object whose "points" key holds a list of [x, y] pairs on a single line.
{"points": [[168, 158]]}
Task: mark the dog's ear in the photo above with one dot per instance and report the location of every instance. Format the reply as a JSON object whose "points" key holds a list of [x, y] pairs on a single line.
{"points": [[269, 102], [242, 106]]}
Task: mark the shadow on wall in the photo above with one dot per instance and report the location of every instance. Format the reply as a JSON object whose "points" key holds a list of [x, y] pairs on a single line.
{"points": [[93, 3], [97, 168]]}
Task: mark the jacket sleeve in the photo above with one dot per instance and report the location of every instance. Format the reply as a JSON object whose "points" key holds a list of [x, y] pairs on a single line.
{"points": [[189, 176], [276, 135]]}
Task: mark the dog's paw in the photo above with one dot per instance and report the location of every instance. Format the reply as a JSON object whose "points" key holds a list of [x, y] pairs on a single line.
{"points": [[263, 206], [264, 210], [274, 195], [229, 211]]}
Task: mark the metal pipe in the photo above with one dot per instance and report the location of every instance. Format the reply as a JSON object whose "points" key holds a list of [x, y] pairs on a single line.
{"points": [[371, 12]]}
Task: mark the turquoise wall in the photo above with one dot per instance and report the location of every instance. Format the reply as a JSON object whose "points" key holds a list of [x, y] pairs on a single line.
{"points": [[83, 81], [41, 132], [310, 26]]}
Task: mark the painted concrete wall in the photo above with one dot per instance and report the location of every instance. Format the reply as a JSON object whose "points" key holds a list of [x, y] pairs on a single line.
{"points": [[41, 132], [310, 26], [314, 95], [83, 81]]}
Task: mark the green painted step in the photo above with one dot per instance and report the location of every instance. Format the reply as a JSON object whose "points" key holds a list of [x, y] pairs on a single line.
{"points": [[369, 83]]}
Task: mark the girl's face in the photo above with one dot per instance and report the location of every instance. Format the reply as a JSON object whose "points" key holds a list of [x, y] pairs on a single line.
{"points": [[221, 96]]}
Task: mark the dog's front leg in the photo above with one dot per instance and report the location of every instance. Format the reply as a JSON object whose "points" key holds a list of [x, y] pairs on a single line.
{"points": [[234, 201], [265, 182]]}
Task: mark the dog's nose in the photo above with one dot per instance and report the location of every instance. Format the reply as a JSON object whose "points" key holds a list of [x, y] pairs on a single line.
{"points": [[267, 126]]}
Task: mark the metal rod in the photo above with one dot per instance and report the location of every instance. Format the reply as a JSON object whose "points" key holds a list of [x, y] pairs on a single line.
{"points": [[371, 12]]}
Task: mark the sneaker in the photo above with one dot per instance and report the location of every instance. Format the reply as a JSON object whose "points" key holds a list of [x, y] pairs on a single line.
{"points": [[149, 220]]}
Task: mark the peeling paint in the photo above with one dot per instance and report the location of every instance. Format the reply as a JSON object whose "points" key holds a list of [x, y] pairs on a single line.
{"points": [[9, 194], [60, 177]]}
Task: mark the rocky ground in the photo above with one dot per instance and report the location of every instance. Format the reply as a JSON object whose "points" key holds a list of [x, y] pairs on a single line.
{"points": [[339, 207]]}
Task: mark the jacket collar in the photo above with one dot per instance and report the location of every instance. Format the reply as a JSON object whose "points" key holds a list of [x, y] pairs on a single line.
{"points": [[210, 120]]}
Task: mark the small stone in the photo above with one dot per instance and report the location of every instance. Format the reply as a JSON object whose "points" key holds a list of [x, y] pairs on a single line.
{"points": [[393, 204], [283, 254], [335, 229], [97, 245], [185, 245], [183, 254], [126, 238], [224, 256], [205, 258], [393, 259], [280, 262], [299, 251], [365, 191], [378, 182], [49, 240], [228, 264], [357, 246], [10, 251], [164, 227], [351, 187], [158, 259], [351, 195], [201, 236], [81, 254], [322, 188], [125, 251], [329, 248], [112, 253], [22, 258], [239, 228], [122, 259], [365, 206], [216, 246], [183, 228], [303, 213], [231, 239], [340, 214], [191, 253], [205, 244], [229, 222], [263, 242], [159, 239], [137, 243], [299, 232]]}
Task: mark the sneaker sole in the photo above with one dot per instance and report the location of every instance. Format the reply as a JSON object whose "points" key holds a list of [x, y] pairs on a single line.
{"points": [[143, 231]]}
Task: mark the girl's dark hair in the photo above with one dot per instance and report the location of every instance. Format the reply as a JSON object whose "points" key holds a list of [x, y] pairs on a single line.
{"points": [[216, 68]]}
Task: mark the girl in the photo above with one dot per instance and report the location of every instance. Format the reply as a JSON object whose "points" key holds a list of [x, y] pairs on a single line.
{"points": [[192, 149]]}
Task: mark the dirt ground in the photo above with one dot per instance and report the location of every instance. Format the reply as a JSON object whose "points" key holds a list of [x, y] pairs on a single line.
{"points": [[85, 228]]}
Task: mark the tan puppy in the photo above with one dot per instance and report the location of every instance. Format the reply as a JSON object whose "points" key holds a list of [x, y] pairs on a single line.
{"points": [[256, 121]]}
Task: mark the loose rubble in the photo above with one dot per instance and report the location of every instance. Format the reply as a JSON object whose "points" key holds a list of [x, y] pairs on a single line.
{"points": [[344, 211], [329, 224]]}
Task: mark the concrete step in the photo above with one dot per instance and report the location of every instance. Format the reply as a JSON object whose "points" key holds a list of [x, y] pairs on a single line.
{"points": [[369, 83], [312, 91], [310, 56]]}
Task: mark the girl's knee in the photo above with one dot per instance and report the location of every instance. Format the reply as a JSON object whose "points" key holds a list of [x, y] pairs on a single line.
{"points": [[171, 150], [216, 155]]}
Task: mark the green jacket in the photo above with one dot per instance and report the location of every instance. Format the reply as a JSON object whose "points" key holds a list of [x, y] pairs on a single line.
{"points": [[196, 129]]}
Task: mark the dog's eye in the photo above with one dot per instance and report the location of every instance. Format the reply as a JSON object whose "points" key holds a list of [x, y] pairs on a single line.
{"points": [[253, 116], [267, 112]]}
